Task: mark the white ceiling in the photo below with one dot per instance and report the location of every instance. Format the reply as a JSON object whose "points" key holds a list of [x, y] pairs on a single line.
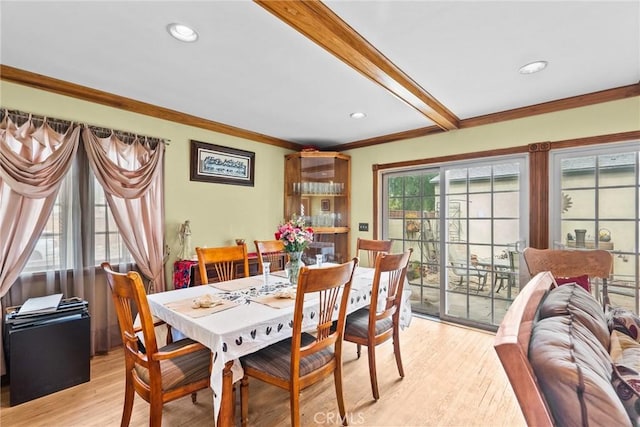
{"points": [[252, 71]]}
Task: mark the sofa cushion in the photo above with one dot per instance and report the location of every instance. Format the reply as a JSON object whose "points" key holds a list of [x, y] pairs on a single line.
{"points": [[625, 350], [624, 320], [572, 299], [583, 281], [626, 382], [569, 355]]}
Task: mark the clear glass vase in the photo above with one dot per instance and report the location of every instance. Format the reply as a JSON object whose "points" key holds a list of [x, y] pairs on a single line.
{"points": [[293, 266]]}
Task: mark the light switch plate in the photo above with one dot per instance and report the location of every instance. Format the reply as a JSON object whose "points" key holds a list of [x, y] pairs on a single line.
{"points": [[363, 226]]}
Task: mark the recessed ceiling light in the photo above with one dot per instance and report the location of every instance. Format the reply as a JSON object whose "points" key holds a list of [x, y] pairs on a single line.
{"points": [[182, 32], [533, 67], [357, 115]]}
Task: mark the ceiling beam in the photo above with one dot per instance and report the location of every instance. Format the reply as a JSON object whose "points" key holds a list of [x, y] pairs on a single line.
{"points": [[321, 25]]}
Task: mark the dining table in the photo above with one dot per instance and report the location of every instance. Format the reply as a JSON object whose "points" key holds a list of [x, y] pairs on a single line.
{"points": [[250, 313]]}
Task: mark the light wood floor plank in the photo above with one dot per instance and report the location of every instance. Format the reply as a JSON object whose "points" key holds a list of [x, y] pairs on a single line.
{"points": [[453, 378]]}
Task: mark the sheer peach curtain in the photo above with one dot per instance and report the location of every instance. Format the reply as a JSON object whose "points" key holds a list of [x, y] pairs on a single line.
{"points": [[33, 163], [38, 162], [132, 175]]}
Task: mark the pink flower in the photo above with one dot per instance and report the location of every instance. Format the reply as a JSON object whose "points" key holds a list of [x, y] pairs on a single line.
{"points": [[295, 235]]}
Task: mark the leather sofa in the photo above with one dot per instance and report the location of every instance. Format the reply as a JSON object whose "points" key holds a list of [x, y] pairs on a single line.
{"points": [[569, 362]]}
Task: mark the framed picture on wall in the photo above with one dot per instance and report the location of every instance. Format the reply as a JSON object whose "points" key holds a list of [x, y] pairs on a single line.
{"points": [[325, 205], [223, 165]]}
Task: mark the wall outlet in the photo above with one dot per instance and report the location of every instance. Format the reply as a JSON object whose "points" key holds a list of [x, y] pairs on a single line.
{"points": [[363, 226]]}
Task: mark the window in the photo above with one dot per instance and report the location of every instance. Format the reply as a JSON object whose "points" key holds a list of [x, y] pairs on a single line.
{"points": [[109, 245], [61, 245]]}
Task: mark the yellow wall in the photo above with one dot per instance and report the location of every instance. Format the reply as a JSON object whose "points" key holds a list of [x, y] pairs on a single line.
{"points": [[600, 119], [220, 213]]}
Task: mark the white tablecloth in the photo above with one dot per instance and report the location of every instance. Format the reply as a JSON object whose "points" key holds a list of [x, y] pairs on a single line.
{"points": [[247, 328]]}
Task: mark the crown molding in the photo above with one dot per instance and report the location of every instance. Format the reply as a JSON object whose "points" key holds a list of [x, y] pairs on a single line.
{"points": [[39, 81]]}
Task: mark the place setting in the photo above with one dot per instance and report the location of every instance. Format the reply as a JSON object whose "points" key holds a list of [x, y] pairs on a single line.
{"points": [[203, 305]]}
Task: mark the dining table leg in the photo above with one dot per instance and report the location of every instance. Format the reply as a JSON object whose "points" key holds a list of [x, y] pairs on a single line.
{"points": [[227, 403]]}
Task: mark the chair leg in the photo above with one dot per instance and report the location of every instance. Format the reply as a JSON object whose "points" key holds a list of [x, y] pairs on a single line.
{"points": [[358, 348], [482, 280], [194, 397], [155, 411], [294, 403], [396, 350], [244, 400], [371, 350], [337, 378], [129, 393]]}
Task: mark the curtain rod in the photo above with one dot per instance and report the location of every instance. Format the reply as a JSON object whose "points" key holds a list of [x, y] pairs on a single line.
{"points": [[66, 123]]}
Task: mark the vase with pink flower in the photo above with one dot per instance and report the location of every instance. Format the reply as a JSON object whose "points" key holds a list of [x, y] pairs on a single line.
{"points": [[296, 237]]}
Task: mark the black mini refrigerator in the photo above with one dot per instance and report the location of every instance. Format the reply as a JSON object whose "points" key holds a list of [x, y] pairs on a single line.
{"points": [[47, 352]]}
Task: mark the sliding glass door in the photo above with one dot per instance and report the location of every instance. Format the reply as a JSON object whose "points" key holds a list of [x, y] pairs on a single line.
{"points": [[465, 224], [595, 195]]}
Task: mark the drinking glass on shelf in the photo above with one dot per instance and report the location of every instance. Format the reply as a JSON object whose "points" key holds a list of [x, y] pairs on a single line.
{"points": [[319, 260]]}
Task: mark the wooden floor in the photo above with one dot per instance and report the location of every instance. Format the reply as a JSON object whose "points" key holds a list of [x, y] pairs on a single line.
{"points": [[453, 378]]}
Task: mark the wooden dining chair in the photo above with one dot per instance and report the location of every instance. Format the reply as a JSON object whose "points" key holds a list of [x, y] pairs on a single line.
{"points": [[377, 323], [224, 261], [370, 249], [572, 264], [158, 375], [271, 251], [305, 359]]}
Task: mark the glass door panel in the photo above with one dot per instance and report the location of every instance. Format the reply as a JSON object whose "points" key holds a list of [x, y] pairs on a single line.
{"points": [[484, 236], [410, 219], [595, 199]]}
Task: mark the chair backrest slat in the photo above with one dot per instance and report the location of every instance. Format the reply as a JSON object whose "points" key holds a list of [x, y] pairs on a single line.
{"points": [[388, 283], [271, 251], [371, 249], [572, 263], [224, 260], [333, 283], [569, 263], [128, 293]]}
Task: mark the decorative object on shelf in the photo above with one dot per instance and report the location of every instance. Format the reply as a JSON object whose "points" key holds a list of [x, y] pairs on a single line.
{"points": [[184, 235], [604, 235], [296, 237], [239, 242], [580, 235]]}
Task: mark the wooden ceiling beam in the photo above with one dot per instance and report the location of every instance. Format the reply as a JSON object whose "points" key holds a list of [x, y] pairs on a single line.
{"points": [[321, 25]]}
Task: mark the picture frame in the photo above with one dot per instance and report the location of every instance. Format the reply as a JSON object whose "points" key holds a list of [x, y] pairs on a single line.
{"points": [[325, 205], [222, 165]]}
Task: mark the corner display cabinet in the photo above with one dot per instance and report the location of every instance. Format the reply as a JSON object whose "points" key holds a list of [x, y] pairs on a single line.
{"points": [[317, 187]]}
